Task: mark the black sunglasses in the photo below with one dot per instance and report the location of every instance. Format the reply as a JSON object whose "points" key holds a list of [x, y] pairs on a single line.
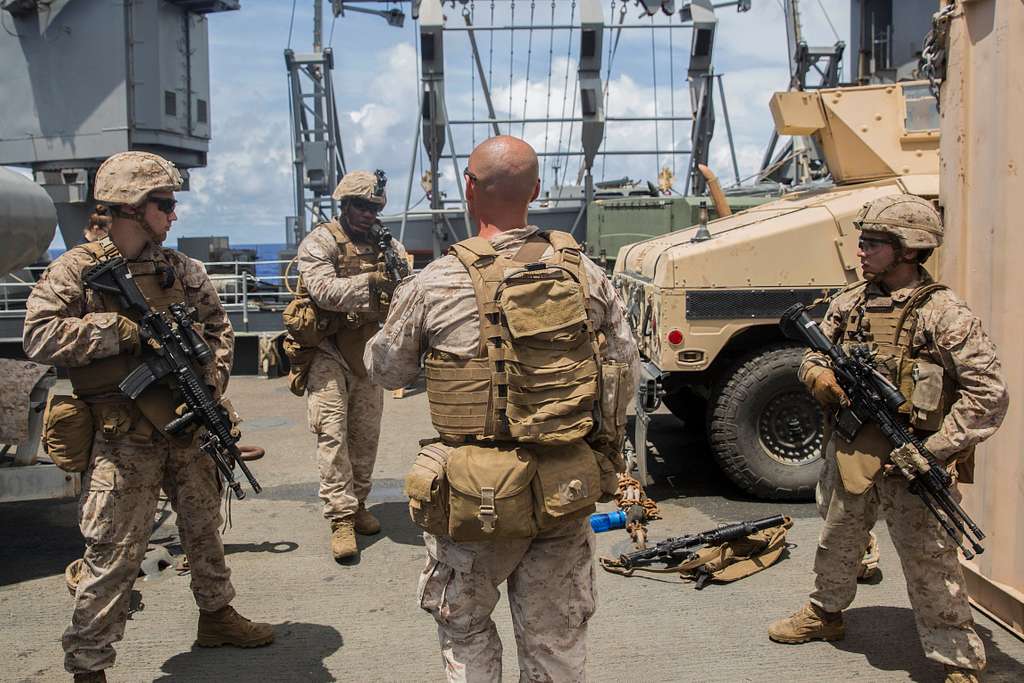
{"points": [[469, 174], [164, 204], [363, 205]]}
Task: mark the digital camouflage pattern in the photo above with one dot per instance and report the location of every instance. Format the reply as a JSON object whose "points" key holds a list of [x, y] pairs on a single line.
{"points": [[344, 408], [344, 413], [19, 379], [116, 510], [550, 577], [551, 594], [911, 219], [948, 330], [437, 310], [127, 177], [361, 185], [68, 326], [935, 582], [955, 335]]}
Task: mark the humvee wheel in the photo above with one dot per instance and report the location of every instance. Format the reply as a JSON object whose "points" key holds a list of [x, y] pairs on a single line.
{"points": [[765, 430]]}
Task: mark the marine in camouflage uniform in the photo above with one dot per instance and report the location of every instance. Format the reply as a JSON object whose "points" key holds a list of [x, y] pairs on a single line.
{"points": [[72, 326], [339, 267], [930, 344], [550, 577]]}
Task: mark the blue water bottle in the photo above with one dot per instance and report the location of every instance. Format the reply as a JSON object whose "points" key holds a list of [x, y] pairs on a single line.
{"points": [[608, 521]]}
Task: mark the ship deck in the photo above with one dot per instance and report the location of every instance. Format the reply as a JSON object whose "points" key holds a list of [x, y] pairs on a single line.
{"points": [[360, 622]]}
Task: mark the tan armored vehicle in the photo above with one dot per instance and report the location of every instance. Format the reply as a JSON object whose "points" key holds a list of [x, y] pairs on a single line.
{"points": [[705, 303]]}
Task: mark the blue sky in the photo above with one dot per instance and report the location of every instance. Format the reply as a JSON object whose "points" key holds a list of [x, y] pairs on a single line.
{"points": [[245, 192]]}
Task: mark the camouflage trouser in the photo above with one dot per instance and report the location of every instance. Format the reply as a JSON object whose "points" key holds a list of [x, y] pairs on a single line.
{"points": [[550, 591], [116, 511], [827, 482], [935, 582], [344, 413]]}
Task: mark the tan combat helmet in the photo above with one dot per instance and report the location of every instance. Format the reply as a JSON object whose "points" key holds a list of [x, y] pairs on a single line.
{"points": [[912, 220], [128, 177], [365, 185]]}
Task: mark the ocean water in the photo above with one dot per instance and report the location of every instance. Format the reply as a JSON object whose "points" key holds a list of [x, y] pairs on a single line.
{"points": [[264, 252]]}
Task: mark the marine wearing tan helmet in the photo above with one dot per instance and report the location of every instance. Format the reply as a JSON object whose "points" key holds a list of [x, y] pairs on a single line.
{"points": [[364, 185], [910, 219], [127, 179]]}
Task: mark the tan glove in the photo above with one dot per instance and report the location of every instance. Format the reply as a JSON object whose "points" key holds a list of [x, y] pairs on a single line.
{"points": [[909, 460], [128, 335], [381, 289], [822, 384]]}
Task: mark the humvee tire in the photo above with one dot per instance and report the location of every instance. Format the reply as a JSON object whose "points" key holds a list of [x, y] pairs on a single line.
{"points": [[765, 429]]}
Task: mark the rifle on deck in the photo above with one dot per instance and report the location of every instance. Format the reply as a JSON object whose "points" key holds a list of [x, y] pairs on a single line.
{"points": [[874, 398], [175, 345], [396, 268], [673, 551]]}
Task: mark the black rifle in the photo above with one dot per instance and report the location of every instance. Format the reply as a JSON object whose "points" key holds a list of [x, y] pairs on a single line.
{"points": [[175, 345], [397, 268], [673, 551], [874, 398]]}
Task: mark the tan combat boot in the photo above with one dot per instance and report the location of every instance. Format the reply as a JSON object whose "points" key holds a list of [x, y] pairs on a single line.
{"points": [[955, 674], [228, 627], [91, 677], [343, 539], [808, 623], [366, 523]]}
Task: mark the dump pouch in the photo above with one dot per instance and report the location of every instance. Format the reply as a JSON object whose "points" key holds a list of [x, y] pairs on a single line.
{"points": [[300, 359], [68, 432], [568, 482], [490, 493], [426, 485]]}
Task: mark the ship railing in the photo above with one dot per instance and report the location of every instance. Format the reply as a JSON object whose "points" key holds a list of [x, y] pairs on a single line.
{"points": [[233, 283]]}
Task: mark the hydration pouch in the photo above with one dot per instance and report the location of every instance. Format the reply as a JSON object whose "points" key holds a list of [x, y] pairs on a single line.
{"points": [[568, 482], [427, 488], [490, 492], [68, 432]]}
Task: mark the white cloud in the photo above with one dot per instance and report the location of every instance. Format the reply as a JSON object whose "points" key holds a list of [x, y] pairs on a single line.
{"points": [[246, 191]]}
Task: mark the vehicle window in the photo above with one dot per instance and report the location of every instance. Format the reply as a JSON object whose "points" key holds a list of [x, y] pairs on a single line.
{"points": [[922, 110]]}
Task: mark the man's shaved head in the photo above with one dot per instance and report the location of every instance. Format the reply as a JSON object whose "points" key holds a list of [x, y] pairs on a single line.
{"points": [[506, 173]]}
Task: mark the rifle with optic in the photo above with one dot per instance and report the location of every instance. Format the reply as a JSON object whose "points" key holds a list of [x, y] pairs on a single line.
{"points": [[874, 398], [175, 345]]}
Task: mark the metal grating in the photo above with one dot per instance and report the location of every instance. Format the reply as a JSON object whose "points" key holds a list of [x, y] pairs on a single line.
{"points": [[726, 304]]}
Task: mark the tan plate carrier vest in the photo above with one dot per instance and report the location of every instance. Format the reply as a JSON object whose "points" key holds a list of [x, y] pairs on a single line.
{"points": [[888, 327], [97, 383], [350, 331], [535, 378]]}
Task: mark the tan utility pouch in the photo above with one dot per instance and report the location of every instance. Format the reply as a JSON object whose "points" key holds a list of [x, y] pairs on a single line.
{"points": [[490, 493], [300, 359], [305, 323], [927, 409], [568, 482], [860, 461], [609, 434], [68, 432], [737, 559], [121, 419], [427, 488]]}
